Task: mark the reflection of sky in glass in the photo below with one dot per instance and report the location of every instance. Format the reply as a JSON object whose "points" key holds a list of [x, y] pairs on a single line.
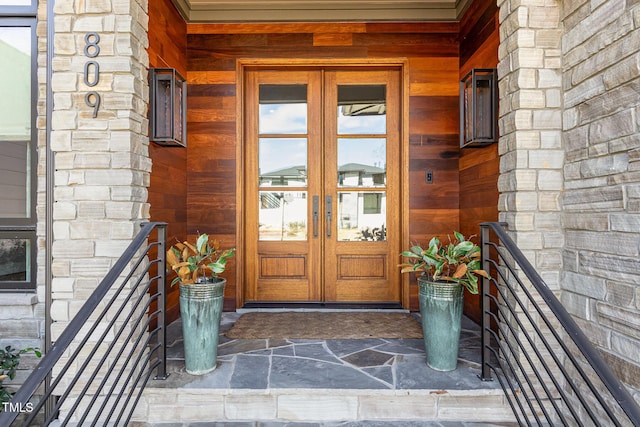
{"points": [[280, 153], [17, 37], [369, 151], [374, 124], [283, 118], [15, 2]]}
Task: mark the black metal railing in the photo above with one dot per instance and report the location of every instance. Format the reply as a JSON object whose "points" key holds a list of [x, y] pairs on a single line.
{"points": [[101, 362], [551, 373]]}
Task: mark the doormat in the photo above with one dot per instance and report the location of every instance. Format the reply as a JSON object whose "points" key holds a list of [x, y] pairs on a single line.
{"points": [[325, 325]]}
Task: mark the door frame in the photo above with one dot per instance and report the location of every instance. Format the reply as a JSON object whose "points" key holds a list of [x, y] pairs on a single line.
{"points": [[244, 64]]}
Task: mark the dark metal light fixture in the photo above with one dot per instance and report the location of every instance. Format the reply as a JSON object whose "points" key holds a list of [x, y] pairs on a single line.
{"points": [[168, 107], [479, 108]]}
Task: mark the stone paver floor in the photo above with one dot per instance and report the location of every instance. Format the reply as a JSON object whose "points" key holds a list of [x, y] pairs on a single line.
{"points": [[383, 364]]}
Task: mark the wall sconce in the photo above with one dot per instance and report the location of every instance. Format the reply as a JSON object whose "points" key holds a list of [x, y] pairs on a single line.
{"points": [[168, 107], [479, 108]]}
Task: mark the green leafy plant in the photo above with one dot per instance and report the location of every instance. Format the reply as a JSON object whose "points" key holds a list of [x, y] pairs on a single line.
{"points": [[375, 235], [458, 261], [204, 259], [9, 361]]}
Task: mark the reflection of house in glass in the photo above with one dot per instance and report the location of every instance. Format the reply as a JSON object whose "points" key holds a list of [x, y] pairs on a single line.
{"points": [[361, 215], [283, 215], [359, 175], [296, 175]]}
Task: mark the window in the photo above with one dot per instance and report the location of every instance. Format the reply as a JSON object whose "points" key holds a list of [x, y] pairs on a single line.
{"points": [[372, 203], [18, 145]]}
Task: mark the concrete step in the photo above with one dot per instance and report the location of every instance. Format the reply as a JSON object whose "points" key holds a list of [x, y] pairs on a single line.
{"points": [[321, 407], [365, 423]]}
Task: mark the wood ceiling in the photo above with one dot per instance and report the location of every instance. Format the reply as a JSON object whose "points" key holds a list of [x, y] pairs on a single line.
{"points": [[219, 11]]}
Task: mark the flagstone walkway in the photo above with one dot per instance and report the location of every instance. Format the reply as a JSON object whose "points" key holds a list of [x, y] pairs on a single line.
{"points": [[384, 364]]}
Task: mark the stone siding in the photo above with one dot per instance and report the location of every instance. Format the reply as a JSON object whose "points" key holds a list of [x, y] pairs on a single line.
{"points": [[102, 163], [601, 128], [532, 155]]}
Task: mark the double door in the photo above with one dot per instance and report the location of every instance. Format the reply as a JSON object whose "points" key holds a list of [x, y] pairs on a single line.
{"points": [[322, 217]]}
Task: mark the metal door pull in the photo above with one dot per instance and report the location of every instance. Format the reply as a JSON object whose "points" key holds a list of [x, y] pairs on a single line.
{"points": [[328, 210]]}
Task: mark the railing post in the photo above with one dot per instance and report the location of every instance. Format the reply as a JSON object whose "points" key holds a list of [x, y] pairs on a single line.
{"points": [[161, 372], [486, 304]]}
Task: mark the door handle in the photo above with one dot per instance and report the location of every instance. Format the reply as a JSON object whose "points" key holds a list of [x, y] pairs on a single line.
{"points": [[316, 214], [328, 212]]}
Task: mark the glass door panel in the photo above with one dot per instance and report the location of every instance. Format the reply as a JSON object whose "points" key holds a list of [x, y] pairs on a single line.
{"points": [[282, 162], [362, 109], [283, 109], [362, 162], [283, 215], [362, 216]]}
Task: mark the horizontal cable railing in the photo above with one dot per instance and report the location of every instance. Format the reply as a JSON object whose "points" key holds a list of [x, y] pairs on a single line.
{"points": [[101, 362], [551, 373]]}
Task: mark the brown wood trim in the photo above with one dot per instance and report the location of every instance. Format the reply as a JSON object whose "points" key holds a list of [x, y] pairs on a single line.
{"points": [[404, 179], [240, 173]]}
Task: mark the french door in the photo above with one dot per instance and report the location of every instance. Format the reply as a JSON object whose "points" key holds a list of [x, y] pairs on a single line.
{"points": [[322, 178]]}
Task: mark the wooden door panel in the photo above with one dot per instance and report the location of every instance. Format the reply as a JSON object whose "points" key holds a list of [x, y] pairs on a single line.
{"points": [[373, 292], [282, 267], [283, 290], [282, 263], [362, 265]]}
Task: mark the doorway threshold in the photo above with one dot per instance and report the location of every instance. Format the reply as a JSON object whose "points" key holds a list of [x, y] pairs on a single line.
{"points": [[319, 306]]}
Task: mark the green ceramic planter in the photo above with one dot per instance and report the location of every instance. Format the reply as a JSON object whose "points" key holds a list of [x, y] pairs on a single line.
{"points": [[441, 305], [201, 311]]}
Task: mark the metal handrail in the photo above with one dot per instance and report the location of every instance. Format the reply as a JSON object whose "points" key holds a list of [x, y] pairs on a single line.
{"points": [[551, 373], [118, 309]]}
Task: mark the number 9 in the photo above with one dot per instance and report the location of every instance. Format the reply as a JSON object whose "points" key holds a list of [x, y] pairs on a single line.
{"points": [[95, 104]]}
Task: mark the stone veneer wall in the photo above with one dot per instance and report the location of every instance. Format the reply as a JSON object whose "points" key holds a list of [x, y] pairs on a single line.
{"points": [[102, 163], [570, 167], [530, 146], [601, 82]]}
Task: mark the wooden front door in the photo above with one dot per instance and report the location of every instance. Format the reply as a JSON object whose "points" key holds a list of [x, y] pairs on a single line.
{"points": [[322, 178]]}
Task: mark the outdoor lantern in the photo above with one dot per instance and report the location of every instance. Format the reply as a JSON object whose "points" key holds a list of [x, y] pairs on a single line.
{"points": [[168, 107], [479, 108]]}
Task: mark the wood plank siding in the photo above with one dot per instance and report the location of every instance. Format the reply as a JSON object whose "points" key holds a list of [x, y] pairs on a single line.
{"points": [[168, 188], [195, 189], [479, 167]]}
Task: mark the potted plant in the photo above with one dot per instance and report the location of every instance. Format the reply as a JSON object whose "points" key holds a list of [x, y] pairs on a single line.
{"points": [[445, 270], [201, 298]]}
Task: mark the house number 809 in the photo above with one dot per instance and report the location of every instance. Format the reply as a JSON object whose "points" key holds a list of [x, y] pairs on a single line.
{"points": [[92, 70]]}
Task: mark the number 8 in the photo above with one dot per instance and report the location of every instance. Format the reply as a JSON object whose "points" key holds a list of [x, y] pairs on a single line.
{"points": [[91, 41]]}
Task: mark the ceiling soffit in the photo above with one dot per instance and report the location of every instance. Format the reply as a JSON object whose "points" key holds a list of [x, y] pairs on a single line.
{"points": [[220, 11]]}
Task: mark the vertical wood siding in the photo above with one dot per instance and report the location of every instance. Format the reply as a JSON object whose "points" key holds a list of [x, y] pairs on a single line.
{"points": [[168, 188], [479, 167]]}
